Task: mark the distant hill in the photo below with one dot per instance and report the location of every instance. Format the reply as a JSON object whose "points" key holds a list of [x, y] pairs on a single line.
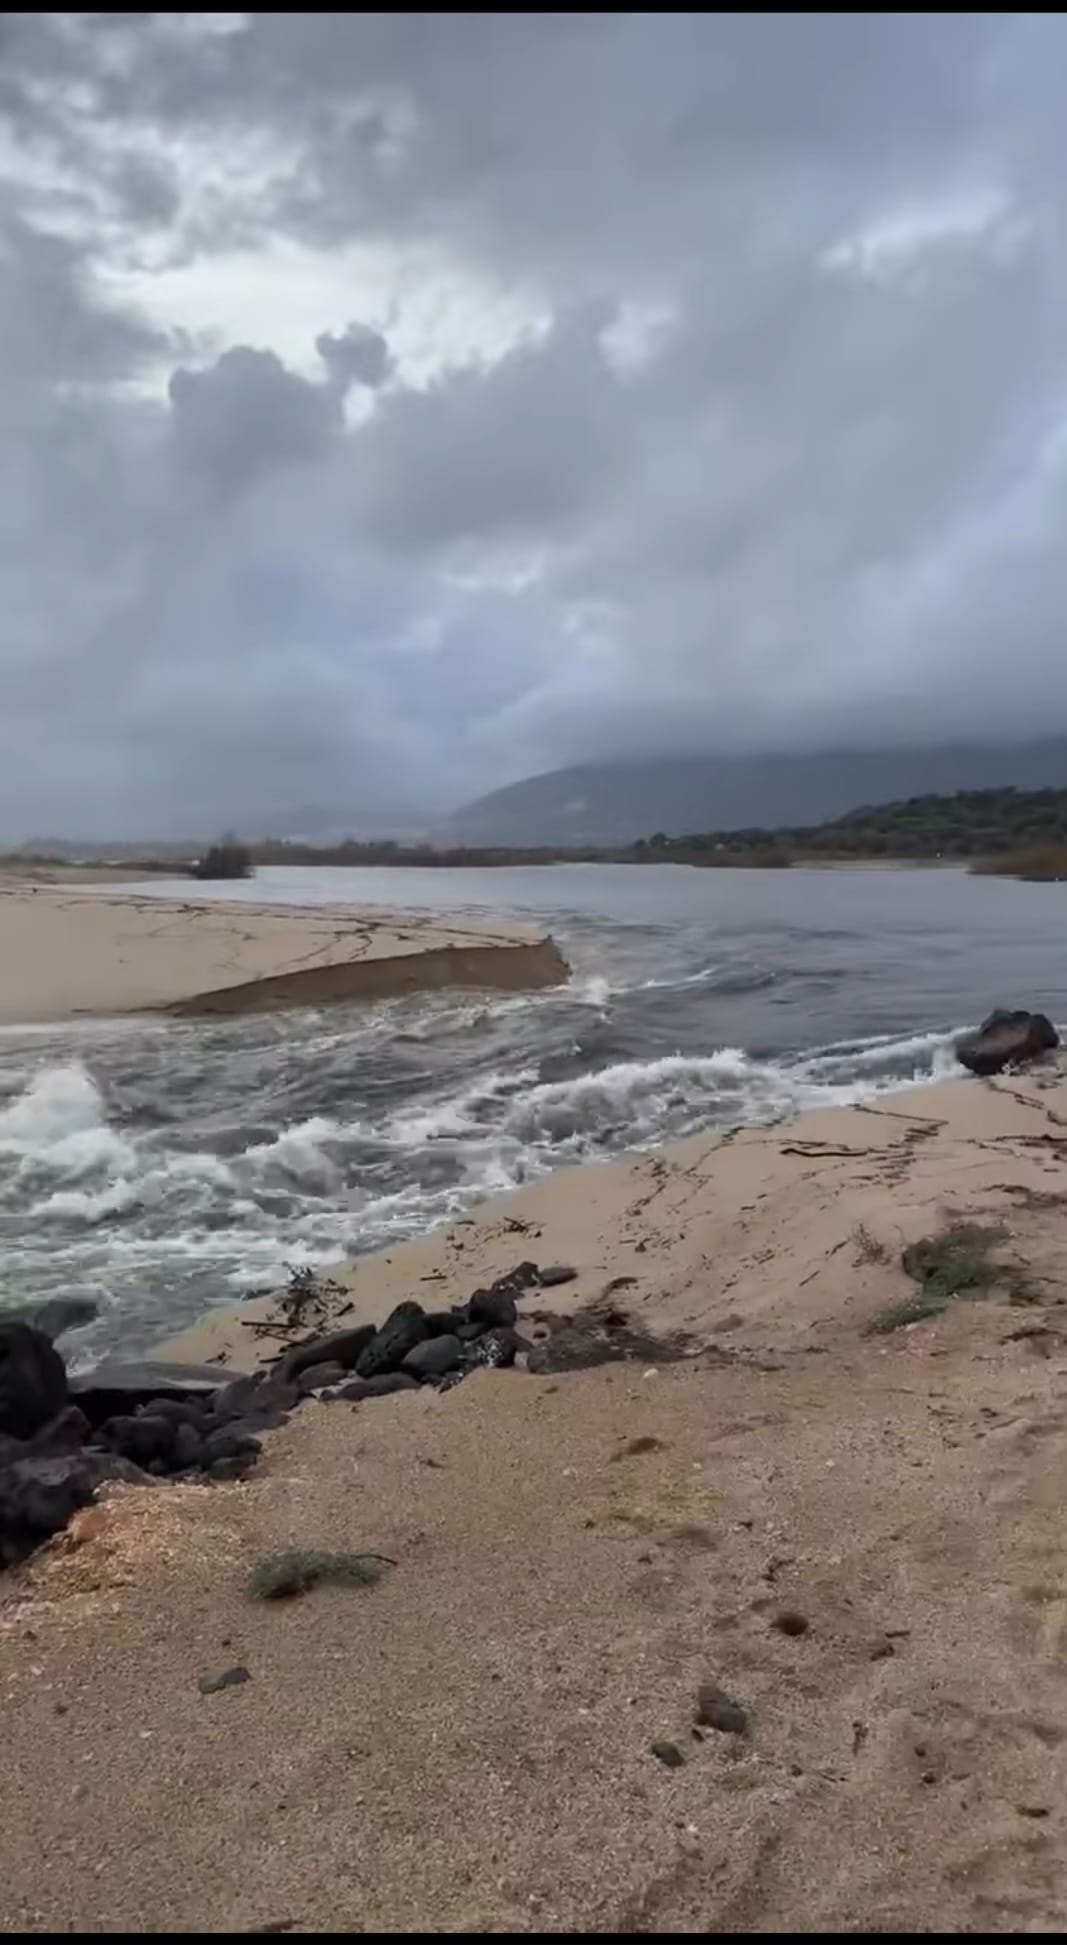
{"points": [[616, 803]]}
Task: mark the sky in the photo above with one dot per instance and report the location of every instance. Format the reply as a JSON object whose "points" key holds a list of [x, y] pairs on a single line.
{"points": [[393, 406]]}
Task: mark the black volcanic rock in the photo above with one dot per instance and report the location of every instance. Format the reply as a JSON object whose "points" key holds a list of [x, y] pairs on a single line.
{"points": [[433, 1357], [33, 1380], [494, 1308], [402, 1330], [38, 1497]]}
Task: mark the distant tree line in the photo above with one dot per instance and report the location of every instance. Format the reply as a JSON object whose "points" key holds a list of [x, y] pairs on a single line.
{"points": [[1021, 832]]}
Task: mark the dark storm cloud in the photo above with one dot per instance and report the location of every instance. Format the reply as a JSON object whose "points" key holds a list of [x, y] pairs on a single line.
{"points": [[772, 450]]}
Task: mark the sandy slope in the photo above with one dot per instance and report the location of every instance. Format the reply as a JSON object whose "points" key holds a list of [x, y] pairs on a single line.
{"points": [[468, 1745], [67, 951]]}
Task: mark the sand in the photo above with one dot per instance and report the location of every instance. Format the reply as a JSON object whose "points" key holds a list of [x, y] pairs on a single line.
{"points": [[69, 952], [468, 1745]]}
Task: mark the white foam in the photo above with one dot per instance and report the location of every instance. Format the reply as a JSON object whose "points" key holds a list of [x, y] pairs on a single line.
{"points": [[59, 1122]]}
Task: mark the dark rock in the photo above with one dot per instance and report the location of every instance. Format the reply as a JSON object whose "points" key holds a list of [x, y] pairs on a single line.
{"points": [[555, 1273], [1006, 1040], [468, 1332], [66, 1432], [233, 1467], [442, 1323], [343, 1347], [238, 1396], [187, 1452], [114, 1388], [231, 1442], [265, 1420], [33, 1380], [493, 1308], [669, 1754], [38, 1497], [790, 1622], [315, 1375], [226, 1678], [379, 1387], [111, 1465], [402, 1330], [387, 1382], [54, 1315], [179, 1411], [433, 1357], [717, 1710], [142, 1437], [497, 1349]]}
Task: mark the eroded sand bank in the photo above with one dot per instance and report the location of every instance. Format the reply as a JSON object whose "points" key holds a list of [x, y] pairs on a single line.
{"points": [[858, 1537], [67, 952]]}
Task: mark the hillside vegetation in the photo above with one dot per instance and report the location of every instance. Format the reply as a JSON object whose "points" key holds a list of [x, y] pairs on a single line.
{"points": [[991, 826]]}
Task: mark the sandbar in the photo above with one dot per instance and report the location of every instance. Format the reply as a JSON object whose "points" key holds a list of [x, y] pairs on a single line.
{"points": [[69, 952]]}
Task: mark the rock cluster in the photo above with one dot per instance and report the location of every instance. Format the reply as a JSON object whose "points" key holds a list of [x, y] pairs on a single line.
{"points": [[61, 1437]]}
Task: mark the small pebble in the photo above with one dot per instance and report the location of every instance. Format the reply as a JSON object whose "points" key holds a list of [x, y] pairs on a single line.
{"points": [[225, 1678], [716, 1710], [669, 1754]]}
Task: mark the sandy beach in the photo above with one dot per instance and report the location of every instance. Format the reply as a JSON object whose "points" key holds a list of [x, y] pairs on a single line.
{"points": [[72, 952], [852, 1530]]}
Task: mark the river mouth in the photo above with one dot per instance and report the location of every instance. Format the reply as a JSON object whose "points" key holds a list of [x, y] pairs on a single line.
{"points": [[165, 1167]]}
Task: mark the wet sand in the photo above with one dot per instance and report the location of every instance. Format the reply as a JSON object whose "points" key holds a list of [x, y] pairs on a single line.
{"points": [[68, 952]]}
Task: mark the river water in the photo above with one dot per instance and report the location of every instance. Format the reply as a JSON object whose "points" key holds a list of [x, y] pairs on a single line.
{"points": [[163, 1167]]}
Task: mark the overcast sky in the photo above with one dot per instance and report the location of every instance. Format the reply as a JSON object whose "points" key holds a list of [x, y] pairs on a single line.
{"points": [[394, 405]]}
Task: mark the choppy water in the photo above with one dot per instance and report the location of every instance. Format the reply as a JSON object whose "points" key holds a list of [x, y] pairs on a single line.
{"points": [[164, 1167]]}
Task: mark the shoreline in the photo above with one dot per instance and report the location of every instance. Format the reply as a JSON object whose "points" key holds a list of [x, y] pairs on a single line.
{"points": [[900, 1163], [73, 953]]}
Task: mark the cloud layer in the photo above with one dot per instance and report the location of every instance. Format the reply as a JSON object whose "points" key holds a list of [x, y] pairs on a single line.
{"points": [[395, 405]]}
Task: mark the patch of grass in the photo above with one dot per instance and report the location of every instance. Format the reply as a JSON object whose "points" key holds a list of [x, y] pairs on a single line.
{"points": [[282, 1576], [959, 1261], [911, 1311]]}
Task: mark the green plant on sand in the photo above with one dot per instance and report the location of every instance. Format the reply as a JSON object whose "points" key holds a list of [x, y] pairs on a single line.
{"points": [[281, 1576], [958, 1261]]}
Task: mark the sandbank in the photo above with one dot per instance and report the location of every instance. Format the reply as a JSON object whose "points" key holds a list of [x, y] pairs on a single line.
{"points": [[68, 952]]}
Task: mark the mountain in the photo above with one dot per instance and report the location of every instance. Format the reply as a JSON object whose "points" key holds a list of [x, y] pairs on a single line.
{"points": [[615, 803]]}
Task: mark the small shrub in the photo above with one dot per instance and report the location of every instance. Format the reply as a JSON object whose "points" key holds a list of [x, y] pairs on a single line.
{"points": [[282, 1576], [1037, 863], [868, 1247], [230, 859]]}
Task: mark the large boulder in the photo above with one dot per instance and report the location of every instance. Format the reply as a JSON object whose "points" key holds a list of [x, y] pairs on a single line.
{"points": [[37, 1498], [33, 1380], [1006, 1040]]}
